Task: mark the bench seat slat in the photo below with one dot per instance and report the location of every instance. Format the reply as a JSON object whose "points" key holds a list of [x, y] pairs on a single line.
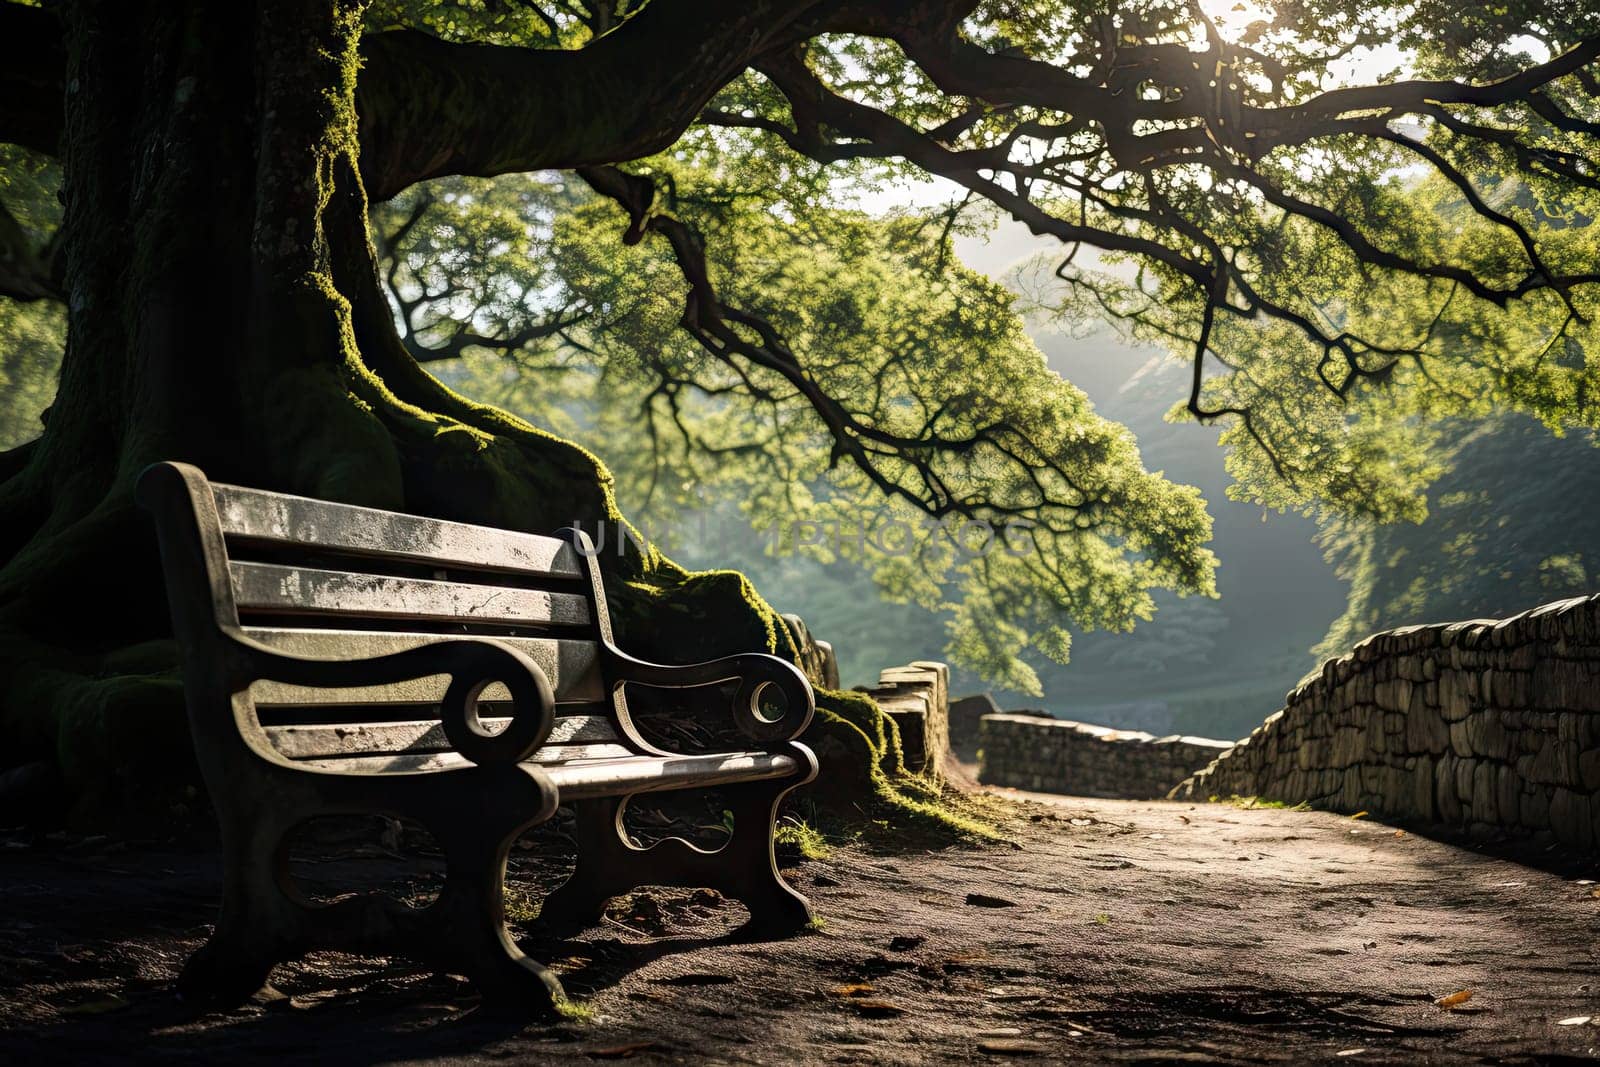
{"points": [[273, 518], [290, 590], [573, 667], [653, 774], [421, 735], [601, 778]]}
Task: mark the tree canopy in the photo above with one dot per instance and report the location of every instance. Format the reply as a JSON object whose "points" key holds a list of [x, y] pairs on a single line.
{"points": [[655, 209], [1342, 265]]}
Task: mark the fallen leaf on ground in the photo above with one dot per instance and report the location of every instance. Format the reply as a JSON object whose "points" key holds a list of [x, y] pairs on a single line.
{"points": [[622, 1052], [983, 900], [99, 1006], [877, 1009], [1576, 1020], [1451, 1000], [854, 989], [1360, 815], [1350, 1052], [1010, 1047]]}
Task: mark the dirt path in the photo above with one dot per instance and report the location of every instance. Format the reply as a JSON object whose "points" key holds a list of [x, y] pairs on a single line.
{"points": [[1111, 931]]}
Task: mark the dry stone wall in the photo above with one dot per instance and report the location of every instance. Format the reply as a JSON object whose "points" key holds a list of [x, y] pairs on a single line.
{"points": [[1488, 725], [1060, 756], [917, 698]]}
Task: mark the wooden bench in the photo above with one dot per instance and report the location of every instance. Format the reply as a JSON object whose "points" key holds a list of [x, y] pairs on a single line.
{"points": [[344, 660]]}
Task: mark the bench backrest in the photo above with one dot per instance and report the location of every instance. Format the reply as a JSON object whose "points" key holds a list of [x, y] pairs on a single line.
{"points": [[333, 581]]}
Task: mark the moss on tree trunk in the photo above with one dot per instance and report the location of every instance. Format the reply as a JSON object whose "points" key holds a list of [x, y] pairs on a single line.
{"points": [[225, 309]]}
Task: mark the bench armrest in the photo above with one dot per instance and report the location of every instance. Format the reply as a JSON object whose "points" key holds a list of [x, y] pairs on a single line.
{"points": [[756, 673], [473, 666]]}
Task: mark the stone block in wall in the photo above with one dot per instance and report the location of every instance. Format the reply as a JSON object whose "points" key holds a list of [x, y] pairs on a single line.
{"points": [[1446, 800], [938, 739], [942, 676], [916, 698], [830, 666], [1509, 794], [1422, 804], [909, 711], [1485, 793], [964, 716], [1426, 731], [1486, 736]]}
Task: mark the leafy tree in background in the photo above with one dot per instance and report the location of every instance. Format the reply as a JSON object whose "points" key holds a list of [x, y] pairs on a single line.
{"points": [[915, 346], [1511, 524], [224, 302]]}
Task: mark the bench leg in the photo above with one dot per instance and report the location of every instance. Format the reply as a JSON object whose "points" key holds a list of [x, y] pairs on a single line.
{"points": [[607, 867], [748, 867], [744, 869], [255, 918], [469, 930]]}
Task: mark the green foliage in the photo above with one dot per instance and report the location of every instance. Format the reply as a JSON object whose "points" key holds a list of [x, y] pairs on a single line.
{"points": [[800, 840], [503, 22], [31, 334], [31, 338], [1247, 803], [1359, 429], [918, 348], [1512, 524]]}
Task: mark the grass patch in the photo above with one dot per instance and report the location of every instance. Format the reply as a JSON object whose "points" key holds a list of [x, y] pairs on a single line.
{"points": [[574, 1012], [797, 840], [1247, 803], [521, 905]]}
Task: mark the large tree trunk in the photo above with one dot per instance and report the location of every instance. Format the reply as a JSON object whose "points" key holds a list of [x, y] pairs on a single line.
{"points": [[225, 309]]}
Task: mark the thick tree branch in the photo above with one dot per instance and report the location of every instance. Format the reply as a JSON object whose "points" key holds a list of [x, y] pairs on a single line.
{"points": [[914, 468], [431, 108]]}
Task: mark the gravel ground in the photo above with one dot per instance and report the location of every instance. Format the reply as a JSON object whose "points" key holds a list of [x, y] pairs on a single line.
{"points": [[1101, 931]]}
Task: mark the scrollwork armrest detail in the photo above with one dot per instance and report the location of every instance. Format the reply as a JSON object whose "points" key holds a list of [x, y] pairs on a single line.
{"points": [[756, 672], [473, 666]]}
